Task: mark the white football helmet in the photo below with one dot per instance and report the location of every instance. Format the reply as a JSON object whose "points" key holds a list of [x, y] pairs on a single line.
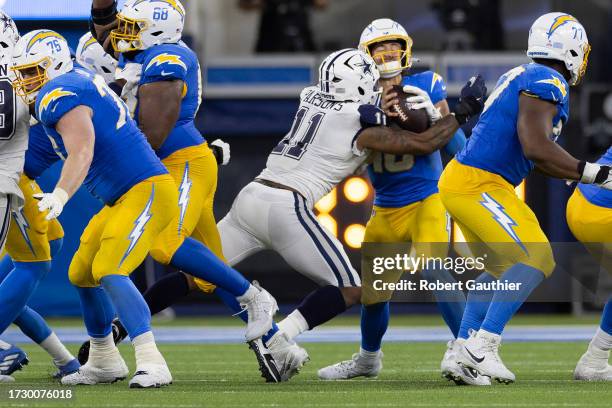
{"points": [[9, 35], [349, 75], [92, 56], [145, 23], [38, 57], [384, 29], [561, 37]]}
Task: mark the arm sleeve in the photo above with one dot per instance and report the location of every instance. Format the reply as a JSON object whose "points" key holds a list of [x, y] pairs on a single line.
{"points": [[456, 143]]}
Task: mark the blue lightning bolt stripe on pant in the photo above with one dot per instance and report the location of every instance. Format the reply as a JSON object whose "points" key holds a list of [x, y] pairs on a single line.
{"points": [[494, 220]]}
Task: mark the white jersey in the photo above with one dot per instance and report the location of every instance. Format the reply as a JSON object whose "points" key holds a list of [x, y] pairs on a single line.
{"points": [[14, 128], [319, 151]]}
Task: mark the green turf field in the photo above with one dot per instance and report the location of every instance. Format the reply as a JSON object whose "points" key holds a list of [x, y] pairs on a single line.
{"points": [[226, 375]]}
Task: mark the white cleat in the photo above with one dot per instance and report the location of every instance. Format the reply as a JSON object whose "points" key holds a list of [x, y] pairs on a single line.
{"points": [[592, 369], [453, 371], [480, 352], [151, 376], [289, 357], [357, 367], [96, 373], [261, 309], [6, 379]]}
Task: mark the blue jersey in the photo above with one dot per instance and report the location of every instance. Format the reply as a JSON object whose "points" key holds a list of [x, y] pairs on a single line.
{"points": [[168, 62], [495, 145], [122, 156], [597, 195], [400, 180], [40, 154]]}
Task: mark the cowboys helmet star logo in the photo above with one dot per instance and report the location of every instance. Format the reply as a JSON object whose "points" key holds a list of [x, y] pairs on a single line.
{"points": [[6, 22], [365, 66]]}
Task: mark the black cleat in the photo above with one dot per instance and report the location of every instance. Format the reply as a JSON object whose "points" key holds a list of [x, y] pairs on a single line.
{"points": [[267, 365]]}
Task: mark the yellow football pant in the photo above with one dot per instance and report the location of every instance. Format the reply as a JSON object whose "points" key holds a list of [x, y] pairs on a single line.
{"points": [[194, 170], [496, 224], [29, 234], [591, 225], [423, 223], [119, 237]]}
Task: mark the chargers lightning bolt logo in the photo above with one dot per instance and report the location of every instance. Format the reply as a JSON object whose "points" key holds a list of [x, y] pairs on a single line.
{"points": [[166, 58], [501, 217], [24, 226], [184, 190], [139, 226]]}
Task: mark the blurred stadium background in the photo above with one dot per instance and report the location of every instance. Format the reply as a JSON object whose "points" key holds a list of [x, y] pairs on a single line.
{"points": [[257, 55]]}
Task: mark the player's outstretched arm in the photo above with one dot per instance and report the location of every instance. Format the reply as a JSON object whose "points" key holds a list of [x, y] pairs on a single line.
{"points": [[398, 141], [77, 132], [157, 116]]}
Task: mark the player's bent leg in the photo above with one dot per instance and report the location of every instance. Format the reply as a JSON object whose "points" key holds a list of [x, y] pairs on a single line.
{"points": [[592, 225], [17, 287], [34, 326], [105, 364], [312, 251], [431, 236]]}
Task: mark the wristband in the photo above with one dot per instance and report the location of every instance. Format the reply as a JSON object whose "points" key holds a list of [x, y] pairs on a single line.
{"points": [[61, 194]]}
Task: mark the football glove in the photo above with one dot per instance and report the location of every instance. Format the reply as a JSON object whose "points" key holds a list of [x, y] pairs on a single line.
{"points": [[53, 202], [221, 150], [471, 101], [421, 100], [593, 173]]}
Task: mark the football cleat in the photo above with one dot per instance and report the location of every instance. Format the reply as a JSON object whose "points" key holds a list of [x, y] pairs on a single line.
{"points": [[6, 379], [453, 371], [151, 376], [119, 334], [12, 359], [267, 365], [480, 352], [261, 308], [356, 367], [592, 369], [289, 357], [101, 371], [71, 367]]}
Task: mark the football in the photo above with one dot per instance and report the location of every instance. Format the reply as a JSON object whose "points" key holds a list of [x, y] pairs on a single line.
{"points": [[414, 120]]}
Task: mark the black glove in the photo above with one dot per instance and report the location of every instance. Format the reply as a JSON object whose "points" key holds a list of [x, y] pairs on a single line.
{"points": [[471, 101], [221, 150]]}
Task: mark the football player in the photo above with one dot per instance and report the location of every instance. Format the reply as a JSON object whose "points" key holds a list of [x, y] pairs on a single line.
{"points": [[118, 166], [517, 131], [28, 235], [589, 216], [407, 207], [334, 129]]}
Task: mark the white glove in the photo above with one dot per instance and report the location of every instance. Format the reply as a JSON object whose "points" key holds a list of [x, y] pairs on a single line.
{"points": [[600, 175], [224, 149], [53, 202], [131, 73], [421, 100]]}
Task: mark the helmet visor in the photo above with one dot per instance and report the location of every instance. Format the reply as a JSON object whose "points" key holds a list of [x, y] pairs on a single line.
{"points": [[126, 37], [30, 78]]}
